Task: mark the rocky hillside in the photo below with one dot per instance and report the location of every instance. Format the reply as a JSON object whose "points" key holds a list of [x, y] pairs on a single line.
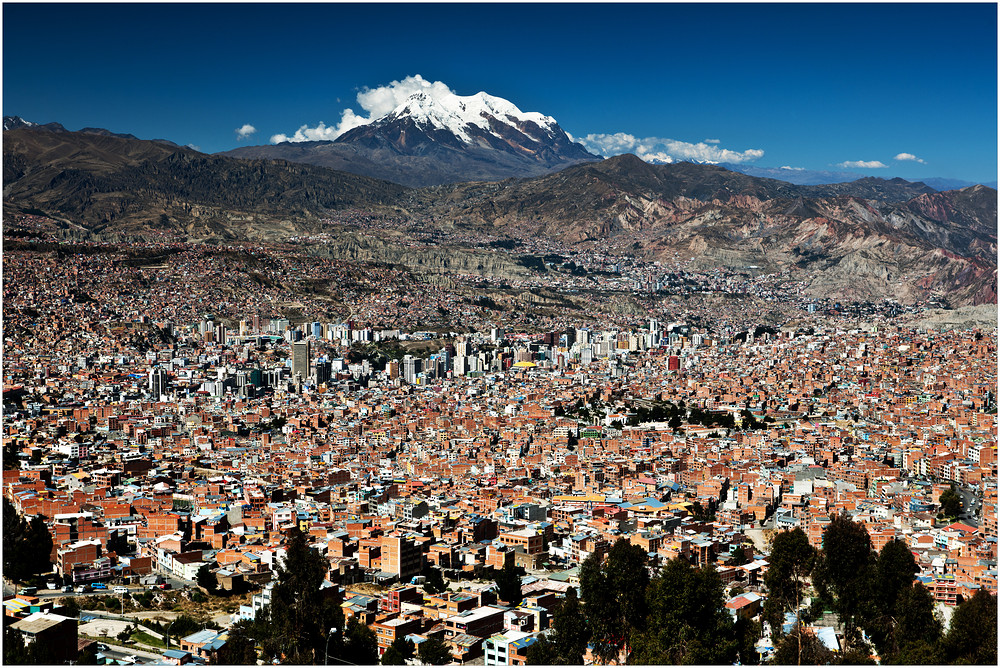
{"points": [[930, 246], [106, 181]]}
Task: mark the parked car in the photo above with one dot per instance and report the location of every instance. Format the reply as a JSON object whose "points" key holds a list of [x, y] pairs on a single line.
{"points": [[165, 585], [80, 589], [67, 589], [99, 585], [121, 590]]}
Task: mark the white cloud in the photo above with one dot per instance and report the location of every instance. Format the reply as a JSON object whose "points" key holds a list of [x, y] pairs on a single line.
{"points": [[663, 150], [193, 146], [713, 141], [376, 102], [245, 131], [793, 169], [862, 164], [908, 156]]}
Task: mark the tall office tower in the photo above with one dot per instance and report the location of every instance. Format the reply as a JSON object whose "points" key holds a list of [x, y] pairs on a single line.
{"points": [[411, 367], [157, 382], [654, 325], [300, 359], [324, 370], [583, 336], [496, 334]]}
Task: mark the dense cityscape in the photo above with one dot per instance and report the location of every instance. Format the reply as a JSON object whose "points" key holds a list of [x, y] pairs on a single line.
{"points": [[479, 476]]}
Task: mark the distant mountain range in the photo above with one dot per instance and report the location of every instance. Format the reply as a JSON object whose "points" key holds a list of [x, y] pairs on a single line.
{"points": [[113, 183], [430, 140], [809, 177], [867, 238]]}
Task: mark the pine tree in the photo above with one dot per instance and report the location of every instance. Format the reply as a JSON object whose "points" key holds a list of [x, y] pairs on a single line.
{"points": [[847, 572], [508, 584], [790, 563], [972, 636], [614, 596], [688, 621], [433, 652], [398, 653]]}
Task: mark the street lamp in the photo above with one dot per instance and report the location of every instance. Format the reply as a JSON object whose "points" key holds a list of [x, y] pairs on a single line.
{"points": [[326, 651]]}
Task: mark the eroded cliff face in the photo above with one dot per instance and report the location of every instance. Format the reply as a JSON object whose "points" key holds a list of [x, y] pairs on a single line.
{"points": [[429, 260]]}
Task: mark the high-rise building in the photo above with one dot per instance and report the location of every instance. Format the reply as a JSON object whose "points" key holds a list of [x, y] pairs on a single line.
{"points": [[411, 367], [157, 382], [300, 359]]}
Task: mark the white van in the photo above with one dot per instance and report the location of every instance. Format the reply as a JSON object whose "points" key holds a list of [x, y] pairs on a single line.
{"points": [[120, 590]]}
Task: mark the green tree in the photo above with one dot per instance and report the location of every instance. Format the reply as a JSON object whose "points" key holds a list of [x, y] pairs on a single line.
{"points": [[916, 632], [398, 653], [126, 633], [70, 607], [951, 502], [435, 583], [801, 647], [27, 545], [207, 580], [790, 564], [543, 652], [360, 645], [894, 571], [848, 561], [614, 595], [508, 583], [972, 636], [433, 652], [239, 649], [299, 617], [567, 643], [688, 622]]}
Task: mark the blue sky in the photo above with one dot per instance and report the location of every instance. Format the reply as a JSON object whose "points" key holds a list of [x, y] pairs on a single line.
{"points": [[809, 86]]}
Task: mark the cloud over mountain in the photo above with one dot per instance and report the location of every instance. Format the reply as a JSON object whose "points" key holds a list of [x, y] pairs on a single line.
{"points": [[376, 102], [665, 151], [862, 164], [245, 131]]}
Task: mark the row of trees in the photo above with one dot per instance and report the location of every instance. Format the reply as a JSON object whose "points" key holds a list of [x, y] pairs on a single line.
{"points": [[678, 616], [871, 592]]}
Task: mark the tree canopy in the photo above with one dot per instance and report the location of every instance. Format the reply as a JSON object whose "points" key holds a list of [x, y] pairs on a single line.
{"points": [[27, 545], [567, 643], [508, 582], [688, 622], [614, 595], [434, 652], [846, 570], [296, 626]]}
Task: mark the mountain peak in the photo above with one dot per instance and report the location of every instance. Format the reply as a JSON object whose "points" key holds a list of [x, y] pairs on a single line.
{"points": [[467, 116], [16, 122]]}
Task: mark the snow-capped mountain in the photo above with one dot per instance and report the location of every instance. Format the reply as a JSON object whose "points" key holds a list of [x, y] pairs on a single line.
{"points": [[15, 122], [424, 123], [462, 116], [436, 139]]}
